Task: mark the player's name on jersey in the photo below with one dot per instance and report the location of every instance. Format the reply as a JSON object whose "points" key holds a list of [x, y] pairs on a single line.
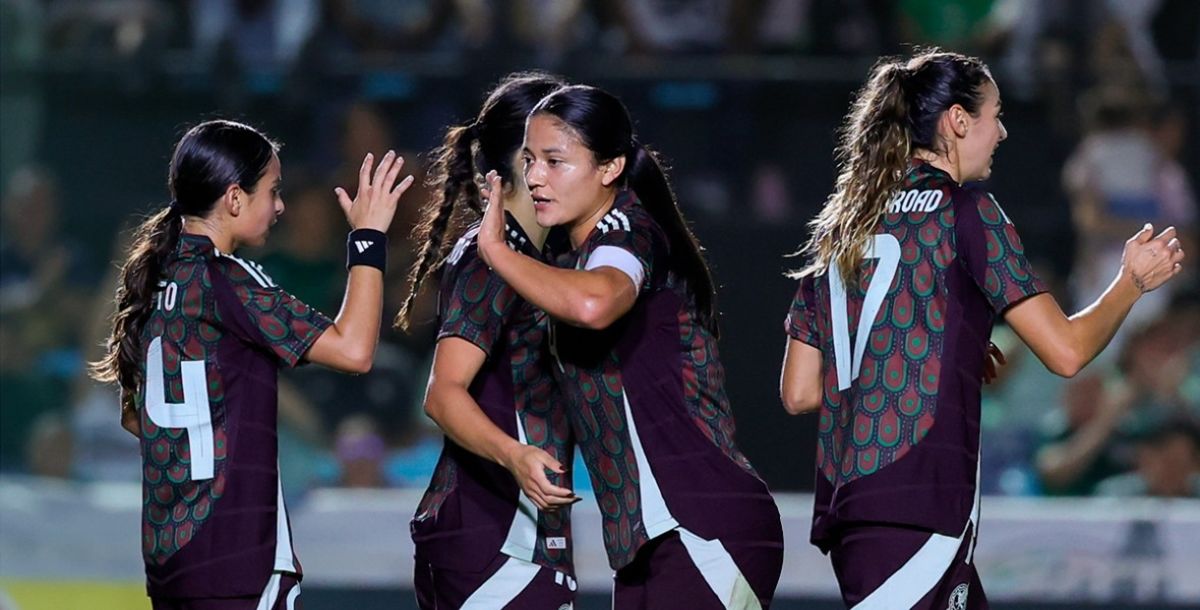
{"points": [[915, 201]]}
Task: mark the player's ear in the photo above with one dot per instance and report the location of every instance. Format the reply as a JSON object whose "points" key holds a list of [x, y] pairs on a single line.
{"points": [[611, 170], [233, 200], [958, 119]]}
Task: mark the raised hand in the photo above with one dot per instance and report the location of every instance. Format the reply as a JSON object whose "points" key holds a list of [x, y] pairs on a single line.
{"points": [[491, 231], [1150, 262], [528, 465], [374, 204]]}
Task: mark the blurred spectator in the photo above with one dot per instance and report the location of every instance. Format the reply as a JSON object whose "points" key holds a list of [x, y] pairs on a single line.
{"points": [[671, 26], [1167, 464], [360, 453], [43, 277], [50, 446], [255, 33], [955, 24], [1086, 448], [1115, 180], [1154, 385], [308, 253]]}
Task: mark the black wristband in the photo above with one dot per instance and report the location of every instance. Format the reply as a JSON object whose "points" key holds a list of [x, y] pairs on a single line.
{"points": [[367, 247]]}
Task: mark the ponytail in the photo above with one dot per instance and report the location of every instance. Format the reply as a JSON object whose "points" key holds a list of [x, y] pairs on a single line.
{"points": [[452, 178], [648, 179], [872, 157], [894, 115], [154, 241]]}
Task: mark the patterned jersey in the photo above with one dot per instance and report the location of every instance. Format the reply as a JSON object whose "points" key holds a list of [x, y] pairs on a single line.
{"points": [[473, 508], [904, 349], [213, 519], [648, 405]]}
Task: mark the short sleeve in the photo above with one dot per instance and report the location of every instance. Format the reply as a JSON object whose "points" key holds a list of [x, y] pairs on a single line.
{"points": [[624, 239], [991, 251], [800, 322], [473, 303], [277, 321]]}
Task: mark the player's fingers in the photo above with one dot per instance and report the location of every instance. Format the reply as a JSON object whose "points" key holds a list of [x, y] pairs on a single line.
{"points": [[393, 172], [381, 170], [1145, 234], [364, 174], [403, 186], [343, 199], [1167, 235]]}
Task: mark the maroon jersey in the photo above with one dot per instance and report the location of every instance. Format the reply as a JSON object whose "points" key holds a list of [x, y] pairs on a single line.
{"points": [[648, 404], [904, 350], [213, 519], [473, 509]]}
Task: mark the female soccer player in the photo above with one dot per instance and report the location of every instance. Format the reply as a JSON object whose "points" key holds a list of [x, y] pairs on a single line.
{"points": [[197, 342], [908, 266], [687, 521], [479, 542]]}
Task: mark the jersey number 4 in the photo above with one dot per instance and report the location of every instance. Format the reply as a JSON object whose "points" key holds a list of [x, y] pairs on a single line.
{"points": [[192, 414], [886, 248]]}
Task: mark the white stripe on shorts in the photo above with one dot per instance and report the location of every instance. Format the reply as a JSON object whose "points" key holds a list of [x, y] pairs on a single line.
{"points": [[504, 586], [720, 571], [271, 593], [906, 586]]}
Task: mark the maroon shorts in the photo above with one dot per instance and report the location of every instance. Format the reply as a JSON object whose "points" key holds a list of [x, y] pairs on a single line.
{"points": [[506, 583], [896, 567], [680, 570], [281, 593]]}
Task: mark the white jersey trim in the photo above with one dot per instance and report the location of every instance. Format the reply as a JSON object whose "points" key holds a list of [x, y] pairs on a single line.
{"points": [[655, 514], [620, 259], [284, 558], [522, 533], [254, 269]]}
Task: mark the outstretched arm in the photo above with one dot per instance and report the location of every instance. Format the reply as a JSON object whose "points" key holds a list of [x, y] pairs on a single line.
{"points": [[1066, 344]]}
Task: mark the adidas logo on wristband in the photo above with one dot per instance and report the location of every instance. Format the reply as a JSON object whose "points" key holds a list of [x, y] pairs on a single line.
{"points": [[362, 245]]}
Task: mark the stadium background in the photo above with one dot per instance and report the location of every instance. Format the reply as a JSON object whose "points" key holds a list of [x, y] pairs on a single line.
{"points": [[743, 99]]}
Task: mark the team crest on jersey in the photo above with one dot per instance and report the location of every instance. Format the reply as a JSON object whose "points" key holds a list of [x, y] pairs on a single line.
{"points": [[958, 598]]}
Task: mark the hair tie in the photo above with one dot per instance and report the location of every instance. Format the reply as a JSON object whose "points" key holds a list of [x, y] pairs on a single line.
{"points": [[173, 205]]}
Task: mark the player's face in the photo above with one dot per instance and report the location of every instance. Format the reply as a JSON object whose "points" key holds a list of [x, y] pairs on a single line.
{"points": [[566, 184], [261, 208], [984, 133]]}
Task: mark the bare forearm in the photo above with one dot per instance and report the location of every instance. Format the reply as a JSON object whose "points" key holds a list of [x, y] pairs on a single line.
{"points": [[1094, 326], [349, 344], [579, 298], [459, 416]]}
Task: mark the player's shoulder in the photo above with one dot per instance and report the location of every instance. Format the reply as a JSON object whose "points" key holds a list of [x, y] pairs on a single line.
{"points": [[975, 200], [466, 249], [241, 271]]}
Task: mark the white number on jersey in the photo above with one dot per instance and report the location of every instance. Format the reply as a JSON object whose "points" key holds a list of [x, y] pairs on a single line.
{"points": [[193, 413], [886, 248]]}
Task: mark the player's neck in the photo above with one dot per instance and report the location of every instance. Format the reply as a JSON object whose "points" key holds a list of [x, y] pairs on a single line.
{"points": [[203, 226], [942, 162]]}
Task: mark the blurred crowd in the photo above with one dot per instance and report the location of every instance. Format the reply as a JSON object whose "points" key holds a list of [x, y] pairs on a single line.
{"points": [[338, 76]]}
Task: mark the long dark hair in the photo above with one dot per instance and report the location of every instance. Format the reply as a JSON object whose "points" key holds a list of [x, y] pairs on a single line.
{"points": [[895, 113], [603, 125], [208, 159], [488, 143]]}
